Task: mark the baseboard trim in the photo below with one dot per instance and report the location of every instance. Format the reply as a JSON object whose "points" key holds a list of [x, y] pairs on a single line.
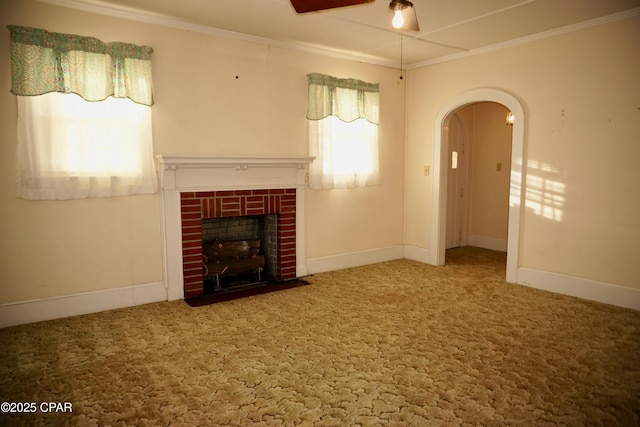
{"points": [[415, 253], [607, 293], [24, 312], [485, 242], [20, 313], [353, 259]]}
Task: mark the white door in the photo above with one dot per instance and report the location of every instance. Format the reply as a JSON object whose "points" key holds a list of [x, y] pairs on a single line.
{"points": [[456, 185]]}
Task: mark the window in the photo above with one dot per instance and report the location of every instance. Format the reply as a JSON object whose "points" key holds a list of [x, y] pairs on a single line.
{"points": [[343, 132], [69, 148], [84, 116]]}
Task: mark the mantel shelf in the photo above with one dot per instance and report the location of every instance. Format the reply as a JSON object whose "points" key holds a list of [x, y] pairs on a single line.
{"points": [[178, 161]]}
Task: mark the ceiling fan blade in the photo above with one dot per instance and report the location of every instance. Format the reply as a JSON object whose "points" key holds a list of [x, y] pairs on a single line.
{"points": [[304, 6]]}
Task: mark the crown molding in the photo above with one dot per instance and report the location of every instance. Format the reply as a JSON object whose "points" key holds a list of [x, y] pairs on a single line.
{"points": [[132, 14], [531, 38], [107, 9]]}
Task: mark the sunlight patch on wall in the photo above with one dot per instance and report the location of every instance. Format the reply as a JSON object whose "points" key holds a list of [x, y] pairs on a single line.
{"points": [[544, 195]]}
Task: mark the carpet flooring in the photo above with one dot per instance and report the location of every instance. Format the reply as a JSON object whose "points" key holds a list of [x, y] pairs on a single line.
{"points": [[392, 344]]}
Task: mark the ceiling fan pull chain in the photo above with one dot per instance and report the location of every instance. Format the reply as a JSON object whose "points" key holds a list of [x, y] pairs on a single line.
{"points": [[401, 38]]}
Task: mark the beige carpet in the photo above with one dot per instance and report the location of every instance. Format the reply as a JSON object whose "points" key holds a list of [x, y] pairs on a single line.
{"points": [[394, 344]]}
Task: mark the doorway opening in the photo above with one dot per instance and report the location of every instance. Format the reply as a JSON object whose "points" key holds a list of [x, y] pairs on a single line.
{"points": [[478, 177], [442, 158]]}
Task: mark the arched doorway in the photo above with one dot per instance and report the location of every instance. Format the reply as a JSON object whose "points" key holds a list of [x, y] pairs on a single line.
{"points": [[440, 156]]}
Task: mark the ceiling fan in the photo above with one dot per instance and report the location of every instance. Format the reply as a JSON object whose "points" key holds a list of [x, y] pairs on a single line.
{"points": [[404, 12]]}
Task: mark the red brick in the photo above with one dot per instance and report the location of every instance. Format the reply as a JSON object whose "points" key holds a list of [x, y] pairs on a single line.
{"points": [[192, 285], [255, 206], [259, 211], [286, 219], [228, 201], [204, 207], [189, 202], [191, 215], [288, 251], [230, 212], [274, 204], [215, 204], [287, 243], [205, 194], [192, 244], [288, 228], [288, 273], [191, 269], [191, 237], [192, 224], [192, 251], [191, 258], [190, 209]]}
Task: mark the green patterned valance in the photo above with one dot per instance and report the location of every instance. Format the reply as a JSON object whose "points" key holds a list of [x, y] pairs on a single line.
{"points": [[43, 62], [348, 99]]}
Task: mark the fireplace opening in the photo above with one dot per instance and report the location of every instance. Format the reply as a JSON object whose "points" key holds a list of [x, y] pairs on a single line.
{"points": [[268, 230], [239, 252]]}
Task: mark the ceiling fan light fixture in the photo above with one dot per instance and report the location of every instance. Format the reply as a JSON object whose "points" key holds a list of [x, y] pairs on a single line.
{"points": [[398, 19], [399, 4], [404, 15]]}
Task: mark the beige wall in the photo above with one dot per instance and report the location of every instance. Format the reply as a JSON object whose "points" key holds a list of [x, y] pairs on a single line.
{"points": [[56, 248], [580, 92]]}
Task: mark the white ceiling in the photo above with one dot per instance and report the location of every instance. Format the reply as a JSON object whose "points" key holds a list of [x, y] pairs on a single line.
{"points": [[448, 28]]}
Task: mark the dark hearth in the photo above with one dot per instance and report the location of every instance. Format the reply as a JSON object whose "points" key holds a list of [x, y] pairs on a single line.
{"points": [[247, 291]]}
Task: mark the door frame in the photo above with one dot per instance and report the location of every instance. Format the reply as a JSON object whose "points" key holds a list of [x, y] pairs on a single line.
{"points": [[517, 178]]}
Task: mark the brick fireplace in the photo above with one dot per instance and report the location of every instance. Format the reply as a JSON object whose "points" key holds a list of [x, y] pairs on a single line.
{"points": [[194, 188], [196, 206]]}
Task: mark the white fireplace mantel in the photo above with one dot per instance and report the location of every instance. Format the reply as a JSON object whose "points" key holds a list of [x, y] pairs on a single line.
{"points": [[195, 172], [186, 173]]}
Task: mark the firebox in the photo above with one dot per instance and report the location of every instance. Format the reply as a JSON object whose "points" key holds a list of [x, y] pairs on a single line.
{"points": [[239, 252], [242, 209]]}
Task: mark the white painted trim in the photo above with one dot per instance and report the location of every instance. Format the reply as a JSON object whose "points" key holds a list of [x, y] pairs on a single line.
{"points": [[487, 242], [417, 254], [138, 15], [614, 17], [440, 161], [186, 173], [19, 313], [353, 259], [607, 293], [123, 12]]}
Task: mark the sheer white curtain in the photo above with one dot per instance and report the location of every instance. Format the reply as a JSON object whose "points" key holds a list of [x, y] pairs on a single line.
{"points": [[343, 132], [346, 153], [69, 148]]}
